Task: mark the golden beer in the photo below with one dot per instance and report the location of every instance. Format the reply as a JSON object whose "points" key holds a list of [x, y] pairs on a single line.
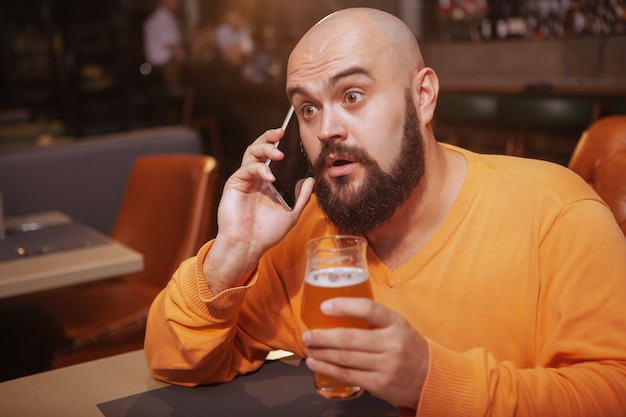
{"points": [[351, 282], [336, 267]]}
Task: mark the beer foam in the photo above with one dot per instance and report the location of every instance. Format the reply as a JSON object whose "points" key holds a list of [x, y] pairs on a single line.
{"points": [[337, 277]]}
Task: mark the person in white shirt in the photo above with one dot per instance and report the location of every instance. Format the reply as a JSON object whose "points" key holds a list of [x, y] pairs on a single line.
{"points": [[163, 43], [234, 38]]}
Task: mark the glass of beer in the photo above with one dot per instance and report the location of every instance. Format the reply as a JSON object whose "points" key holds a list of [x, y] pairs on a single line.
{"points": [[336, 267]]}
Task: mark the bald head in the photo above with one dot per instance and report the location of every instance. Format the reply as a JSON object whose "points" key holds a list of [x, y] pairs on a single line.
{"points": [[359, 31]]}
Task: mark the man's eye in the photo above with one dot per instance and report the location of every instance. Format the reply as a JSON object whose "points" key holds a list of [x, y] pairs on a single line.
{"points": [[308, 111], [353, 97]]}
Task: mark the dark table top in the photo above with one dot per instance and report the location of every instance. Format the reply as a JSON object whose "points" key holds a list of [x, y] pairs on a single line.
{"points": [[277, 389]]}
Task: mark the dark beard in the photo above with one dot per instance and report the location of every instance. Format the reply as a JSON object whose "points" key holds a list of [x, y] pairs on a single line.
{"points": [[358, 211]]}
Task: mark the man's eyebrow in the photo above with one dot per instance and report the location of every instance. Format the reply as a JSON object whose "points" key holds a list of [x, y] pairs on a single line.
{"points": [[299, 90], [296, 90], [347, 73]]}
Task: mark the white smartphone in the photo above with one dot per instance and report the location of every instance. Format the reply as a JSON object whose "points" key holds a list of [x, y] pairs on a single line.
{"points": [[293, 167]]}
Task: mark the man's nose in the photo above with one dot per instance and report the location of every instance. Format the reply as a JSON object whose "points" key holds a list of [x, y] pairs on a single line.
{"points": [[332, 127]]}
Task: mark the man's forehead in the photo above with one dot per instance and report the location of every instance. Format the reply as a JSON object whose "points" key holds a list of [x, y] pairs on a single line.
{"points": [[326, 71], [329, 56]]}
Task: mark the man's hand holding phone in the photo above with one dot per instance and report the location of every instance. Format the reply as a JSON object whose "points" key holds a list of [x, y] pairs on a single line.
{"points": [[250, 219]]}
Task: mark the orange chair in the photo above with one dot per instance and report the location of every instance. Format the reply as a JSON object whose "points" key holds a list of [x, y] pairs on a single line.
{"points": [[600, 158], [167, 213]]}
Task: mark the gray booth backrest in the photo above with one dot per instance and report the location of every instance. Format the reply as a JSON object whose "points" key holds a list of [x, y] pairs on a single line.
{"points": [[84, 179]]}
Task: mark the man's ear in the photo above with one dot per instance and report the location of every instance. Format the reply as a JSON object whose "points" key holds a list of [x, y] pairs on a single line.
{"points": [[425, 92]]}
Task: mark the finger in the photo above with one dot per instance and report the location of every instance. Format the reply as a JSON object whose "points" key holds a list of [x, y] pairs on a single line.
{"points": [[304, 192], [261, 152], [371, 311], [339, 338], [349, 375], [345, 357], [251, 177], [264, 147]]}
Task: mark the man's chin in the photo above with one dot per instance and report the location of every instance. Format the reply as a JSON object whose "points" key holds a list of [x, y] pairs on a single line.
{"points": [[343, 190]]}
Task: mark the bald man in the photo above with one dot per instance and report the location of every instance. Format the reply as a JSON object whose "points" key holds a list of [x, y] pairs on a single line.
{"points": [[498, 281]]}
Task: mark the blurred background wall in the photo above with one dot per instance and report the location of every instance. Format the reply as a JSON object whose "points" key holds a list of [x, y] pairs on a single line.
{"points": [[75, 68]]}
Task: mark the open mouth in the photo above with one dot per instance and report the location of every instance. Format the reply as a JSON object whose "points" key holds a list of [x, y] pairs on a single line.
{"points": [[339, 166], [336, 160], [341, 162]]}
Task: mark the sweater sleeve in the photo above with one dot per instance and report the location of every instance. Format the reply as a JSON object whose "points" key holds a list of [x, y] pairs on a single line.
{"points": [[192, 336], [195, 337], [580, 342]]}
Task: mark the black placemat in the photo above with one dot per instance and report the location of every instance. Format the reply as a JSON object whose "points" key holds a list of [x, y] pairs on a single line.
{"points": [[278, 389]]}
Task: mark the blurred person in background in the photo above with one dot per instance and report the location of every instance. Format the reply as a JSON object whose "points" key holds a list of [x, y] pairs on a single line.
{"points": [[164, 46], [234, 38]]}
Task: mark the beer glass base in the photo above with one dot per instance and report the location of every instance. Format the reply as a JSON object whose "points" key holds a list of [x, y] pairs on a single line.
{"points": [[333, 389], [347, 393]]}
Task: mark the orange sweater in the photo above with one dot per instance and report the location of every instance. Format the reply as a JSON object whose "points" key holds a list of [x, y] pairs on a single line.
{"points": [[521, 294]]}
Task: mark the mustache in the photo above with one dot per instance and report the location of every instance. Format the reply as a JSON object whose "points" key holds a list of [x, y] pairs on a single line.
{"points": [[341, 149]]}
